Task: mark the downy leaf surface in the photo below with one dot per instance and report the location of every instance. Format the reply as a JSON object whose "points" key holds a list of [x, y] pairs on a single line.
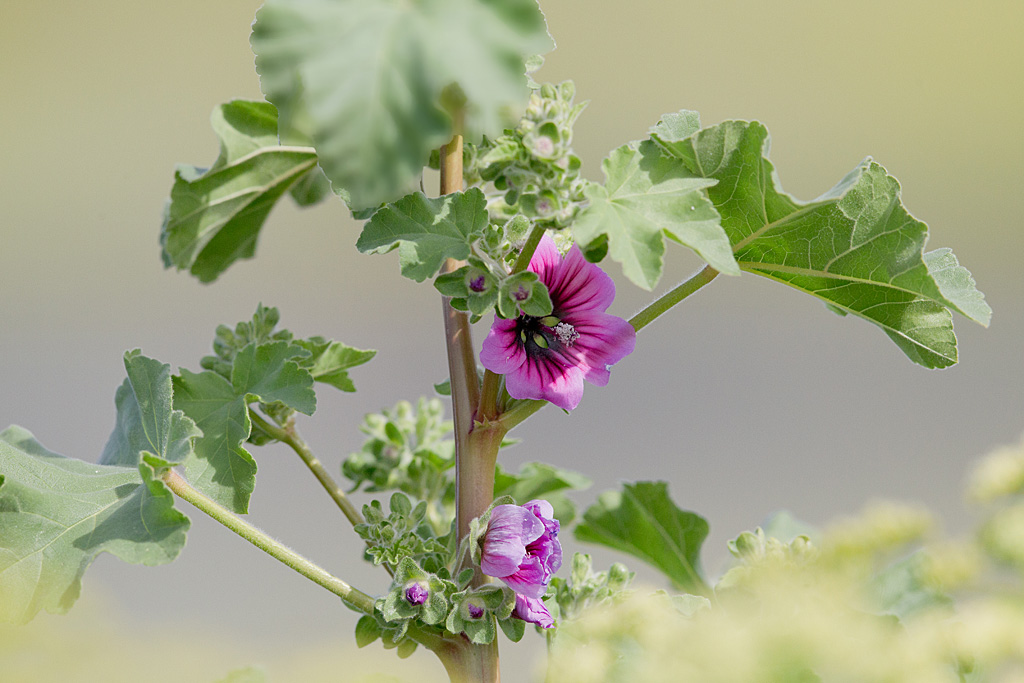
{"points": [[643, 521], [426, 231], [219, 466], [146, 421], [57, 514], [856, 247], [378, 83], [646, 197], [215, 215]]}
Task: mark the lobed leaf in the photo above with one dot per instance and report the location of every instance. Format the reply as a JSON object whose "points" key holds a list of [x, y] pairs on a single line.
{"points": [[57, 514], [426, 231], [214, 216], [329, 361], [855, 247], [379, 83], [648, 196], [146, 421], [642, 521], [219, 466]]}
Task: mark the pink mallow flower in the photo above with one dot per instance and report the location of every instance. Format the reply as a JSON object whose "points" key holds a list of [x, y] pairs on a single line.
{"points": [[521, 547], [549, 357]]}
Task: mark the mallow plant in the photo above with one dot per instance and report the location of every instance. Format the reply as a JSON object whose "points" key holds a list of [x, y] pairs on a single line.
{"points": [[362, 96]]}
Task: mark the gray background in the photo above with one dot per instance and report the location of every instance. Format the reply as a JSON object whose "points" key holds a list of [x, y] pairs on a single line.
{"points": [[748, 398]]}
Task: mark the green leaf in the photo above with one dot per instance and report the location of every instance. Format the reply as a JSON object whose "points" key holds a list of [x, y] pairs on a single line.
{"points": [[145, 419], [57, 514], [676, 126], [902, 589], [642, 521], [648, 196], [214, 216], [220, 467], [540, 480], [367, 630], [377, 83], [426, 230], [855, 247], [329, 361]]}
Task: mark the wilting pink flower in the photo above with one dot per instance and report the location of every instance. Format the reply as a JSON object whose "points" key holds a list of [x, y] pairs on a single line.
{"points": [[549, 357], [533, 611], [521, 547]]}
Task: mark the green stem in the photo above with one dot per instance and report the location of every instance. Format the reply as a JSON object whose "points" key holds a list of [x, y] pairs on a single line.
{"points": [[356, 598], [672, 297], [288, 436], [523, 409], [492, 381], [532, 240]]}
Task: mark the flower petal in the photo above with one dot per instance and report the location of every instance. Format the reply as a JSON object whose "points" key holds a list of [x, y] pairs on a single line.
{"points": [[531, 579], [604, 340], [533, 611], [547, 377], [580, 285], [510, 530], [501, 352], [546, 260]]}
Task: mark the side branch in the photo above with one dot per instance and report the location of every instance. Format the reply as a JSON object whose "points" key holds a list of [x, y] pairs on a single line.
{"points": [[289, 437], [356, 598]]}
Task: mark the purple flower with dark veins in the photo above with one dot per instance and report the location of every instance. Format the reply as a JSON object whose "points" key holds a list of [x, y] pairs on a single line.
{"points": [[549, 357], [521, 547]]}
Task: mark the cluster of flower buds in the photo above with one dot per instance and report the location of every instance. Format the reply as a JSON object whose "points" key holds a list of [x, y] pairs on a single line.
{"points": [[515, 543], [533, 166], [586, 588]]}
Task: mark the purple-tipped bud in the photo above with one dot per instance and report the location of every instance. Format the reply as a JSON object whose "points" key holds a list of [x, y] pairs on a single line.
{"points": [[478, 284], [521, 547], [521, 294], [416, 593], [474, 611]]}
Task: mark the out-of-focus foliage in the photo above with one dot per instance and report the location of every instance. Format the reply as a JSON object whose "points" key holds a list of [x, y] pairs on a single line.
{"points": [[880, 597]]}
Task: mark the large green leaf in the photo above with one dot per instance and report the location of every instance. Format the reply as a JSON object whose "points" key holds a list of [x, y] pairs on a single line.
{"points": [[426, 231], [378, 82], [855, 247], [219, 466], [642, 521], [214, 216], [145, 419], [57, 514], [648, 196]]}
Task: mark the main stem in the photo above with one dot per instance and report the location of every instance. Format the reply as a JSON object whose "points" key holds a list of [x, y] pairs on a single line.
{"points": [[475, 448]]}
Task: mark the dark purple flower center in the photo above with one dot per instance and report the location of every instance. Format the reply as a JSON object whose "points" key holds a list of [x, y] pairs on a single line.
{"points": [[478, 284], [535, 334], [416, 594], [474, 611]]}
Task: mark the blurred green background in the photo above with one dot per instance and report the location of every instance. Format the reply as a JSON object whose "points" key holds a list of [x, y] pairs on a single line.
{"points": [[748, 398]]}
